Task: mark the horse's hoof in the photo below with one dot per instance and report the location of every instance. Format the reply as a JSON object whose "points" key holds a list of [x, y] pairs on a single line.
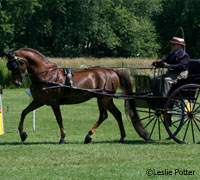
{"points": [[121, 140], [62, 141], [23, 136], [88, 139]]}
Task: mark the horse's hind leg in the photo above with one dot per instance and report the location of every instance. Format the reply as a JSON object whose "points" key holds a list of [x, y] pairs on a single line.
{"points": [[56, 110], [102, 103], [118, 116], [32, 106]]}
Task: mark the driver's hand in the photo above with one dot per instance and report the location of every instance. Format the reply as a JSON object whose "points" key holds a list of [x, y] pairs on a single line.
{"points": [[166, 65], [154, 63]]}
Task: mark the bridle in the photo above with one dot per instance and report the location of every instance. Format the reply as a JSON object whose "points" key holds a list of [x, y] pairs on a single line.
{"points": [[14, 64]]}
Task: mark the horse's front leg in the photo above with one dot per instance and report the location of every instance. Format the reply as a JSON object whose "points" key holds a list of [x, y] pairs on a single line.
{"points": [[32, 106], [102, 104], [56, 110]]}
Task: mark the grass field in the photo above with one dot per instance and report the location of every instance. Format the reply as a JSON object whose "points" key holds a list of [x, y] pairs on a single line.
{"points": [[108, 62], [105, 62], [41, 157]]}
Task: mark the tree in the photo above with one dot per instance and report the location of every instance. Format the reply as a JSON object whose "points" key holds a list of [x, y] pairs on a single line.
{"points": [[178, 13], [6, 29], [80, 28], [116, 31]]}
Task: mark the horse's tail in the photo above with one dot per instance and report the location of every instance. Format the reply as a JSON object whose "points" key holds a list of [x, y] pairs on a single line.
{"points": [[130, 108]]}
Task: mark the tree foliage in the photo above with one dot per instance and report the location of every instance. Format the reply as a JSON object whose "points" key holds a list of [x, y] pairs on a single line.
{"points": [[120, 28], [178, 13]]}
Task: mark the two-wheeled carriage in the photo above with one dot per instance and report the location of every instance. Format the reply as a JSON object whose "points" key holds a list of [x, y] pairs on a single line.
{"points": [[176, 117]]}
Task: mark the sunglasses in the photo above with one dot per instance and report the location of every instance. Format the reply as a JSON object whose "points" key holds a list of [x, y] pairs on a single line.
{"points": [[173, 45]]}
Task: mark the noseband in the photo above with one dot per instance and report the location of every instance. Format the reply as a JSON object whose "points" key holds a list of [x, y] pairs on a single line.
{"points": [[14, 63]]}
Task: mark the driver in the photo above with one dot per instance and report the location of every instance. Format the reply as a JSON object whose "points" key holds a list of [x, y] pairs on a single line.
{"points": [[177, 63]]}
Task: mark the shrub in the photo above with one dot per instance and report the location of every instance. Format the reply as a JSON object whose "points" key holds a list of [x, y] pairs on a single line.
{"points": [[6, 76]]}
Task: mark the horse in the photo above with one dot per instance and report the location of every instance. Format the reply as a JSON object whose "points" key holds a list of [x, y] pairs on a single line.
{"points": [[44, 74]]}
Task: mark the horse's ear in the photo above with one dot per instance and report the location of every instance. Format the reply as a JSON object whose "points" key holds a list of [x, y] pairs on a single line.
{"points": [[10, 55]]}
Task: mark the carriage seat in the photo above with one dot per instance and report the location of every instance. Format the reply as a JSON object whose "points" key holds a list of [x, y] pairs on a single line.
{"points": [[194, 68], [193, 75]]}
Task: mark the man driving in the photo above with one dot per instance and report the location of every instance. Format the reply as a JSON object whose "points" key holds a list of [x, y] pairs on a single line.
{"points": [[177, 63]]}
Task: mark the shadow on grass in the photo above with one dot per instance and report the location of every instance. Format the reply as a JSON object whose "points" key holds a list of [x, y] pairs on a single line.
{"points": [[135, 142], [127, 142], [26, 143]]}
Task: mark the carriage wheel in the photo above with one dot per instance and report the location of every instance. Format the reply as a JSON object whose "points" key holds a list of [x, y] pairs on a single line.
{"points": [[183, 108], [153, 121]]}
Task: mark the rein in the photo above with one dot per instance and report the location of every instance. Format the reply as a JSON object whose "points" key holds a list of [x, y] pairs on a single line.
{"points": [[18, 61], [51, 69], [81, 69]]}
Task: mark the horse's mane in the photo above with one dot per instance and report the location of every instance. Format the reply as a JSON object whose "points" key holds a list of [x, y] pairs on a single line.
{"points": [[40, 55]]}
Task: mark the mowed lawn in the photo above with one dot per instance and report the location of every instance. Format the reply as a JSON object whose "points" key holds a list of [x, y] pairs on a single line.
{"points": [[41, 157]]}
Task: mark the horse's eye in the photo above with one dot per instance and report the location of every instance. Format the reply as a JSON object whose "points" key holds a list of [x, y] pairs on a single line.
{"points": [[12, 65], [21, 63]]}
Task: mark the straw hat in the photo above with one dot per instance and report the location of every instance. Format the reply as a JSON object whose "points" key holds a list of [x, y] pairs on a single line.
{"points": [[177, 40]]}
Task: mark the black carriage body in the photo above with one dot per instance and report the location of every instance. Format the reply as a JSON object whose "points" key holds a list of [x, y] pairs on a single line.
{"points": [[193, 77]]}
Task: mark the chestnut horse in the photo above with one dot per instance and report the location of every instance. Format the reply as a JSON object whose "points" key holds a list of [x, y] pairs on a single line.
{"points": [[44, 74]]}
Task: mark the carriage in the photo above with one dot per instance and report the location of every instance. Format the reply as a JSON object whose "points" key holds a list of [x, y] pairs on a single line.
{"points": [[176, 117]]}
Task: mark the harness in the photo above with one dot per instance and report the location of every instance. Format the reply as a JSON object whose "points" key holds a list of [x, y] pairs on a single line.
{"points": [[14, 64], [110, 91]]}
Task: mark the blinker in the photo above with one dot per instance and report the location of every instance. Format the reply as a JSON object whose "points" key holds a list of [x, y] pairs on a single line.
{"points": [[12, 65]]}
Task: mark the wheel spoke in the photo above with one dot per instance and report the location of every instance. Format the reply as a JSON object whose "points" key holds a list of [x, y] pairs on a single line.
{"points": [[147, 117], [186, 130], [183, 102], [159, 133], [175, 114], [178, 111], [190, 100], [153, 128], [193, 137], [197, 119], [197, 109], [149, 121], [173, 123], [143, 111], [196, 124], [196, 100]]}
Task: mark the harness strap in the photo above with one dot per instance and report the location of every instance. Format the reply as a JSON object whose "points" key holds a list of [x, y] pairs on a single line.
{"points": [[53, 75], [111, 91], [68, 73], [58, 76]]}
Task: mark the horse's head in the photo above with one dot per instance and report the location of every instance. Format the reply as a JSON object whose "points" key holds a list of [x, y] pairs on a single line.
{"points": [[17, 65]]}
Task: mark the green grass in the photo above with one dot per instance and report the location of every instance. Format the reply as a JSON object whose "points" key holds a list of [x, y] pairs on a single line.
{"points": [[41, 157]]}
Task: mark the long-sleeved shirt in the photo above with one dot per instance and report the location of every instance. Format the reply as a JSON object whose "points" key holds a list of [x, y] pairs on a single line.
{"points": [[178, 61]]}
